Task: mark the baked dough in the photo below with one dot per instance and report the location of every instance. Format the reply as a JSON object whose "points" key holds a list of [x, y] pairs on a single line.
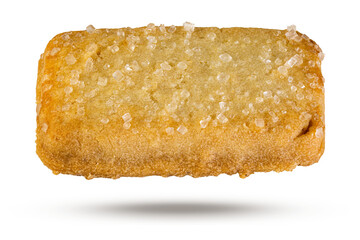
{"points": [[176, 101]]}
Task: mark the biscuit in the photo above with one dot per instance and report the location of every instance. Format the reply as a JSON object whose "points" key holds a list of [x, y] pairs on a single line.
{"points": [[176, 101]]}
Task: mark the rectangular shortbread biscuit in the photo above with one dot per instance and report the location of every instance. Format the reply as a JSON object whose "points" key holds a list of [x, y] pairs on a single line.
{"points": [[176, 101]]}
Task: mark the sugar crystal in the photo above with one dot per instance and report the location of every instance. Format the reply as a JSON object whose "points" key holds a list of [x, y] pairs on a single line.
{"points": [[184, 93], [38, 107], [259, 122], [114, 48], [79, 100], [305, 116], [127, 125], [90, 29], [189, 52], [222, 118], [165, 66], [90, 94], [54, 51], [189, 27], [205, 122], [92, 47], [135, 65], [276, 99], [259, 99], [118, 75], [89, 64], [181, 65], [44, 127], [319, 133], [70, 59], [223, 77], [283, 70], [300, 96], [294, 60], [128, 68], [127, 117], [223, 107], [74, 80], [109, 102], [68, 90], [170, 130], [267, 94], [102, 81], [104, 120], [278, 61], [182, 129], [81, 111], [211, 36], [60, 78], [150, 27], [172, 29], [225, 57], [66, 107], [162, 28], [151, 39]]}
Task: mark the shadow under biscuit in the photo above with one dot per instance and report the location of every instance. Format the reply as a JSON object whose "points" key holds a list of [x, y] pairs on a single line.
{"points": [[179, 209]]}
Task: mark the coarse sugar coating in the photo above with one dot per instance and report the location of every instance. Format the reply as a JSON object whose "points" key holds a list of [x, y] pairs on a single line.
{"points": [[179, 100]]}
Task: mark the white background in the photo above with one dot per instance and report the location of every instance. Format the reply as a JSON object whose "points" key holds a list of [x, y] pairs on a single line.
{"points": [[316, 202]]}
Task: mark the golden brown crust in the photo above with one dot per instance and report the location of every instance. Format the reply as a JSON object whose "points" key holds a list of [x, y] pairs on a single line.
{"points": [[165, 101]]}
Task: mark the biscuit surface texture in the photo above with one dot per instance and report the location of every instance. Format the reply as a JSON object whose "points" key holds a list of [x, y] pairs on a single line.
{"points": [[176, 101]]}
